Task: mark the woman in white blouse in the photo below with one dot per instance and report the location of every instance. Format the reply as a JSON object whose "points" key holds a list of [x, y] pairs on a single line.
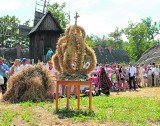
{"points": [[15, 67]]}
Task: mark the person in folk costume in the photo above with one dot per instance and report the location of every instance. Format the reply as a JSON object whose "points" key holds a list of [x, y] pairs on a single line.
{"points": [[104, 82]]}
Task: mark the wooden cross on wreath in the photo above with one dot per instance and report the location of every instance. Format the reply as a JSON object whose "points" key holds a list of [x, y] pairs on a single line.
{"points": [[77, 16]]}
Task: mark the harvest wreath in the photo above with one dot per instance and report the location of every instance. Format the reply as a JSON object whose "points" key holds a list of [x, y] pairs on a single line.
{"points": [[73, 57]]}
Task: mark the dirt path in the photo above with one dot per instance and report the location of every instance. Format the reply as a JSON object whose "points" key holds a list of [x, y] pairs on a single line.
{"points": [[153, 92]]}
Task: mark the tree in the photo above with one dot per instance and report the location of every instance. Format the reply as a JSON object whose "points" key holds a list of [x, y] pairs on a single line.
{"points": [[111, 42], [94, 40], [9, 36], [116, 38], [27, 23], [98, 40], [8, 28], [90, 42], [141, 37], [152, 28], [58, 12]]}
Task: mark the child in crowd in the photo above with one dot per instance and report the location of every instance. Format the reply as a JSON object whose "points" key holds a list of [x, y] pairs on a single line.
{"points": [[114, 80], [94, 80]]}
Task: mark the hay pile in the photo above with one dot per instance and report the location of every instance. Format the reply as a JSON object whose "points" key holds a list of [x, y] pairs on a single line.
{"points": [[31, 84]]}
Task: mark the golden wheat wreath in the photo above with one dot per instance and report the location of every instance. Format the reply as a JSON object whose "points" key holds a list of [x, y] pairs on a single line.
{"points": [[73, 48]]}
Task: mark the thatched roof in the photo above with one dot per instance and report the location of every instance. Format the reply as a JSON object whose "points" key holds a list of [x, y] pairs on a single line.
{"points": [[150, 56], [105, 55]]}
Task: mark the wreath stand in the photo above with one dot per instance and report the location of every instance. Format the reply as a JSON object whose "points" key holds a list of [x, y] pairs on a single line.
{"points": [[78, 84]]}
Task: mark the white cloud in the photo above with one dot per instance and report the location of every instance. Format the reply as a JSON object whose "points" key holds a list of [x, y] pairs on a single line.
{"points": [[9, 5], [96, 16], [113, 13]]}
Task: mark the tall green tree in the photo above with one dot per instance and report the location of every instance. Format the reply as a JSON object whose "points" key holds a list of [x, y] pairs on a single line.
{"points": [[104, 41], [141, 36], [90, 42], [8, 30], [58, 12], [111, 42], [100, 41], [9, 33], [153, 28]]}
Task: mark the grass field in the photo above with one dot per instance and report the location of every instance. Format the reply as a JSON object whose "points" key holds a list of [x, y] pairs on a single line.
{"points": [[140, 108]]}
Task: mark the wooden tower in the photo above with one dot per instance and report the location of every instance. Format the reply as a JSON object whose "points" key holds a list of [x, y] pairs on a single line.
{"points": [[44, 35]]}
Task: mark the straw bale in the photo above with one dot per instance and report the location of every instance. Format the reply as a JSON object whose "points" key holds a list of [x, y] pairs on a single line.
{"points": [[30, 84]]}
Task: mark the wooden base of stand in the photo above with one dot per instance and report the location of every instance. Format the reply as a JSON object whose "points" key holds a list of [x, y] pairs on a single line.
{"points": [[78, 84]]}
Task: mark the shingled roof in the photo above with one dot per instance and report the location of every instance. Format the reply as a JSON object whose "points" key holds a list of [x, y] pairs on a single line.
{"points": [[38, 25], [150, 56]]}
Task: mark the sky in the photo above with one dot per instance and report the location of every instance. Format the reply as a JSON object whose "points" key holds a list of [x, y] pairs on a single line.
{"points": [[98, 17]]}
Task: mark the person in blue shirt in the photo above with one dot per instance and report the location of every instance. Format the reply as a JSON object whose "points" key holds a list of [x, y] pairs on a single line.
{"points": [[49, 54], [4, 69]]}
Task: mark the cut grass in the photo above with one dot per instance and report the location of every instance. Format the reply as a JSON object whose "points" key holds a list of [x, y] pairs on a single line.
{"points": [[115, 110], [6, 117]]}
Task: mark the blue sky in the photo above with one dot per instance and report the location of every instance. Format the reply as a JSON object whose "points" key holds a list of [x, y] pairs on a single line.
{"points": [[96, 16]]}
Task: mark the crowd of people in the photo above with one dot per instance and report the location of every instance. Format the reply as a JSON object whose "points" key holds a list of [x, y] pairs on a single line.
{"points": [[129, 77], [105, 78], [8, 70]]}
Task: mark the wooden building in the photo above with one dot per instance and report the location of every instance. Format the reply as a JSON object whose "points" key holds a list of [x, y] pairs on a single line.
{"points": [[44, 35]]}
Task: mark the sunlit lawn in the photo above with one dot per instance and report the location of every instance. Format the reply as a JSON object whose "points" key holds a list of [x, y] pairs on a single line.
{"points": [[124, 110]]}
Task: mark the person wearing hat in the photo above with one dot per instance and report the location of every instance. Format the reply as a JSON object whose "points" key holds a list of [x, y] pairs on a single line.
{"points": [[24, 63]]}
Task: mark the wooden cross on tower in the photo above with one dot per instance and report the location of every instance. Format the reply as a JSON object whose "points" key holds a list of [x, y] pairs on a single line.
{"points": [[77, 16]]}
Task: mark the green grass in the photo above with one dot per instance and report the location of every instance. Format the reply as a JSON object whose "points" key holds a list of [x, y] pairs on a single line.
{"points": [[119, 110], [6, 117], [137, 110]]}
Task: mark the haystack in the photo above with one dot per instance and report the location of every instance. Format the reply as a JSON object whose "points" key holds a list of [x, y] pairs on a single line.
{"points": [[31, 84]]}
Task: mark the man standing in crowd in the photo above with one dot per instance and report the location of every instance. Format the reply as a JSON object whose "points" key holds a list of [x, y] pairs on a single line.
{"points": [[24, 63], [3, 70], [132, 73], [156, 75]]}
